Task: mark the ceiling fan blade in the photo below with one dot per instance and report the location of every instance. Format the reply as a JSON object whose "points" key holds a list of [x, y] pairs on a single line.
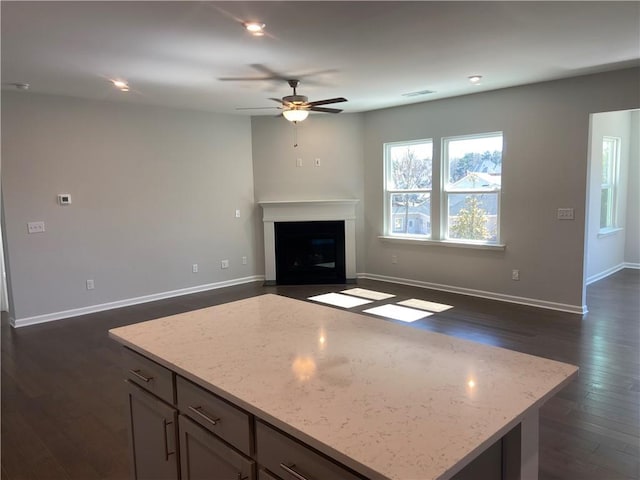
{"points": [[256, 108], [279, 100], [328, 101], [271, 75], [241, 79], [325, 110]]}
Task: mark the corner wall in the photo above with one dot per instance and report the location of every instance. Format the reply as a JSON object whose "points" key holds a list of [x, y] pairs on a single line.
{"points": [[154, 190], [336, 140]]}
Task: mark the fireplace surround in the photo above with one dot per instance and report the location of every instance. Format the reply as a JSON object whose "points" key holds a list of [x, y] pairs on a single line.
{"points": [[309, 211]]}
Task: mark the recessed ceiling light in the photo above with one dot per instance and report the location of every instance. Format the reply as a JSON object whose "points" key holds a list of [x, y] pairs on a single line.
{"points": [[475, 79], [255, 28]]}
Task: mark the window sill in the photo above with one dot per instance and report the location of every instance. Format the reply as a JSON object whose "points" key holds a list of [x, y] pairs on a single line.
{"points": [[607, 232], [444, 243]]}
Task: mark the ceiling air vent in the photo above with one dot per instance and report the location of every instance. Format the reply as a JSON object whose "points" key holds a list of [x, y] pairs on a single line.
{"points": [[415, 94]]}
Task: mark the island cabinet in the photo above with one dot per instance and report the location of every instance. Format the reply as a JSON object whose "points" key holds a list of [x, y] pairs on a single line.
{"points": [[152, 418], [271, 388], [179, 430]]}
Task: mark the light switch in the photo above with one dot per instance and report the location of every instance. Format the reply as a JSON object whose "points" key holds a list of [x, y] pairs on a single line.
{"points": [[35, 227]]}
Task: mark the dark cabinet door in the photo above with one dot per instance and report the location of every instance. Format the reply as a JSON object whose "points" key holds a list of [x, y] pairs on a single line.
{"points": [[204, 457], [153, 436]]}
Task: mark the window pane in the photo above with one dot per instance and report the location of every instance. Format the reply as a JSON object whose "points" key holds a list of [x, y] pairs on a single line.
{"points": [[409, 166], [608, 146], [605, 208], [411, 213], [474, 163], [473, 216]]}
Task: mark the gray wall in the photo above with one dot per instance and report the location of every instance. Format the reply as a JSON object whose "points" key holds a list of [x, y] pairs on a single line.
{"points": [[632, 244], [335, 139], [546, 136], [606, 253], [154, 191]]}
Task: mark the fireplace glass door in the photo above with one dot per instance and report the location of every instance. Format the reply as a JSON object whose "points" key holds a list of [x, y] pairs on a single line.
{"points": [[310, 252]]}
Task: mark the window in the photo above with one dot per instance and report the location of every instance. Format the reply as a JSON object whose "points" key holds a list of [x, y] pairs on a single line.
{"points": [[408, 175], [468, 193], [608, 196], [472, 174]]}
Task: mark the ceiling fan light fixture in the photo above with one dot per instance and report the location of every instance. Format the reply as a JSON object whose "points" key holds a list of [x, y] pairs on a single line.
{"points": [[295, 115], [255, 28], [121, 85]]}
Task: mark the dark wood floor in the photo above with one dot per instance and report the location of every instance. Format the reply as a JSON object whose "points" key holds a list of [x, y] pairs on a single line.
{"points": [[63, 403]]}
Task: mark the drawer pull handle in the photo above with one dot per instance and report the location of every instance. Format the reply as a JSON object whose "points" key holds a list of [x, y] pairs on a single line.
{"points": [[166, 440], [289, 469], [198, 410], [137, 373]]}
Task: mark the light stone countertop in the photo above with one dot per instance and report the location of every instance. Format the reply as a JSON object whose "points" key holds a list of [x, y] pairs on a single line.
{"points": [[389, 400]]}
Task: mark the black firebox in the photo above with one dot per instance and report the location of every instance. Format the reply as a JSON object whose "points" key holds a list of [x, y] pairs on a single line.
{"points": [[310, 252]]}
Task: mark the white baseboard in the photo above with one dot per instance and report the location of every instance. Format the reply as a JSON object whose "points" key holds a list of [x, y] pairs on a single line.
{"points": [[49, 317], [533, 302], [635, 266], [606, 273]]}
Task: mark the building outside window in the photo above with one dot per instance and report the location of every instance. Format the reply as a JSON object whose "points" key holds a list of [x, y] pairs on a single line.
{"points": [[610, 169], [469, 193]]}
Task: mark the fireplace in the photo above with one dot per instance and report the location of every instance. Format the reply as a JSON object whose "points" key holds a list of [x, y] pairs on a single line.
{"points": [[338, 240], [309, 252]]}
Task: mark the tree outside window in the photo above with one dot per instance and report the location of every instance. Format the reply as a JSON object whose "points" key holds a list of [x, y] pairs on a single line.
{"points": [[473, 180]]}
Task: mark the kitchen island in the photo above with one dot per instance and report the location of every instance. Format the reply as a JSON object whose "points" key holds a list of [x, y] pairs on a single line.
{"points": [[379, 399]]}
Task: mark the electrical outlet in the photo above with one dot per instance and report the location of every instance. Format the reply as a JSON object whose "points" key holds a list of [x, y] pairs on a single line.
{"points": [[565, 214], [224, 264], [237, 213], [244, 260], [194, 268], [394, 259], [515, 274], [298, 162], [90, 285], [35, 227]]}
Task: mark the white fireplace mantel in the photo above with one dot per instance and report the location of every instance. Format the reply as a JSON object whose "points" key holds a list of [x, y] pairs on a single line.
{"points": [[308, 211]]}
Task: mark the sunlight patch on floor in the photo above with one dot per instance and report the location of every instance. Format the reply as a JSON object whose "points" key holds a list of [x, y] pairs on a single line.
{"points": [[397, 312], [370, 294], [339, 300], [424, 305]]}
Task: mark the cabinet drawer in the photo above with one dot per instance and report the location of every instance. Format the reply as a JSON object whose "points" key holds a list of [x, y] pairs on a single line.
{"points": [[262, 475], [215, 414], [293, 460], [202, 456], [149, 375]]}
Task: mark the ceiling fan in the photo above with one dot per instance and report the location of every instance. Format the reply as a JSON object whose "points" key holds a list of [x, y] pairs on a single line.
{"points": [[296, 108]]}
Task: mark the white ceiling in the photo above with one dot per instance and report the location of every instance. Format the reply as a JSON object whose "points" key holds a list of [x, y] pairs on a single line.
{"points": [[173, 53]]}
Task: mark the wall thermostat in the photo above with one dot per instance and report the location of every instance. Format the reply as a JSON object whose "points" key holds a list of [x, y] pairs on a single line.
{"points": [[64, 199]]}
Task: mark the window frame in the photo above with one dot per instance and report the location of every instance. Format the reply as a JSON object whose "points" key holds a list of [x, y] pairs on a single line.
{"points": [[446, 191], [612, 186], [388, 193]]}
